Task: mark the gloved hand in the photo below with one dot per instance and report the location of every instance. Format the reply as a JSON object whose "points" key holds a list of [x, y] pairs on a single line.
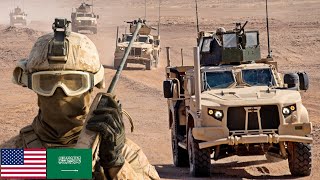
{"points": [[107, 120]]}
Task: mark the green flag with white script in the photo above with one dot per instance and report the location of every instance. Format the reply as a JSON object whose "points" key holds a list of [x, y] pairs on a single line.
{"points": [[69, 164]]}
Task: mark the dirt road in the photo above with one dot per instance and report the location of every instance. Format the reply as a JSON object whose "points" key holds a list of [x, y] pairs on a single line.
{"points": [[295, 28]]}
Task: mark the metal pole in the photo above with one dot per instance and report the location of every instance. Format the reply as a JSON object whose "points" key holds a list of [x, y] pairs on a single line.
{"points": [[182, 56], [197, 76], [159, 17], [267, 18], [117, 36], [168, 57], [145, 9], [197, 16], [116, 77]]}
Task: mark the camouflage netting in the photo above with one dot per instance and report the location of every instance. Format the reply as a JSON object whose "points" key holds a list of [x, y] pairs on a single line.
{"points": [[82, 55]]}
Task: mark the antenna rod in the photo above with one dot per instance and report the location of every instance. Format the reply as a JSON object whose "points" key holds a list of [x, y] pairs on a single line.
{"points": [[159, 17], [198, 30], [145, 9], [92, 6], [267, 18]]}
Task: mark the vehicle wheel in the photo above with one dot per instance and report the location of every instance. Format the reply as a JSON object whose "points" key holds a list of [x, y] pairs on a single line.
{"points": [[149, 65], [116, 64], [156, 60], [199, 159], [95, 31], [299, 159], [180, 155]]}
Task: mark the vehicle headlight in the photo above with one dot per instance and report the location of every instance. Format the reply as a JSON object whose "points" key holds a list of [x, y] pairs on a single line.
{"points": [[79, 21], [121, 48], [286, 111], [144, 49], [217, 114], [15, 18]]}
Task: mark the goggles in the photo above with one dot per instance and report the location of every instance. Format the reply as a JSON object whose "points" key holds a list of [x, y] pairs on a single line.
{"points": [[73, 83]]}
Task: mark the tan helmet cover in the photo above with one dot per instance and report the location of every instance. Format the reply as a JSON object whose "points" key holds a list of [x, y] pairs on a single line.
{"points": [[82, 56]]}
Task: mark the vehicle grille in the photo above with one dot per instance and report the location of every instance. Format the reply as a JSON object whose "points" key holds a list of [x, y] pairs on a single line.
{"points": [[236, 118], [135, 52], [86, 22]]}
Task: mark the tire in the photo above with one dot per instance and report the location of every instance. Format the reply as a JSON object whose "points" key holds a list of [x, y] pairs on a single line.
{"points": [[149, 65], [95, 31], [299, 159], [116, 64], [199, 159], [179, 155]]}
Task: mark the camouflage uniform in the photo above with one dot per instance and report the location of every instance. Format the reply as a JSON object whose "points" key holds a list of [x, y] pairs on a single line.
{"points": [[52, 129]]}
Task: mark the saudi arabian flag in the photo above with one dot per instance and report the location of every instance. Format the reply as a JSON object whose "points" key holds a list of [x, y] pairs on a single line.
{"points": [[69, 164]]}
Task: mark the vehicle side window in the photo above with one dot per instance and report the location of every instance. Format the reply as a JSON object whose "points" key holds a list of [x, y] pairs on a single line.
{"points": [[206, 45], [229, 40], [251, 39]]}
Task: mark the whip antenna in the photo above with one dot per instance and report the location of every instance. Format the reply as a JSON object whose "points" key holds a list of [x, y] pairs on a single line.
{"points": [[267, 18], [198, 30]]}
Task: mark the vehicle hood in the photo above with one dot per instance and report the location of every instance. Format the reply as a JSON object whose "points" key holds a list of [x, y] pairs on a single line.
{"points": [[249, 96], [135, 45]]}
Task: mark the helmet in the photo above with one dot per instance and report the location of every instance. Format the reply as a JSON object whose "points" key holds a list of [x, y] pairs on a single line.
{"points": [[220, 31], [72, 64]]}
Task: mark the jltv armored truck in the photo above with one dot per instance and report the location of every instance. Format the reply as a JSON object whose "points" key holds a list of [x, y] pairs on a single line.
{"points": [[241, 105], [145, 49], [84, 19], [18, 17]]}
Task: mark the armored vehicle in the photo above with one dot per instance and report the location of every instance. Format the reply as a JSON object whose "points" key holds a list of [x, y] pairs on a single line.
{"points": [[239, 104], [83, 18], [18, 17], [145, 49]]}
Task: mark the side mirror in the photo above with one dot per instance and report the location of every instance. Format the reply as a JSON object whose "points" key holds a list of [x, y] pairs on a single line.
{"points": [[291, 79], [303, 81], [151, 41], [98, 16], [119, 40], [168, 89]]}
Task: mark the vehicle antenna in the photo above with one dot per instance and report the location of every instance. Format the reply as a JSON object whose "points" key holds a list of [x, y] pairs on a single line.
{"points": [[198, 30], [159, 17], [267, 18], [145, 9]]}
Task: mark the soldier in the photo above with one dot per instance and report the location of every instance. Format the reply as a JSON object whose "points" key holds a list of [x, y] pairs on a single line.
{"points": [[216, 46], [63, 68]]}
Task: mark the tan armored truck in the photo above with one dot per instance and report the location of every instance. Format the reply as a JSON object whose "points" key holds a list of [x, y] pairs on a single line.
{"points": [[84, 19], [18, 17], [145, 49], [237, 105]]}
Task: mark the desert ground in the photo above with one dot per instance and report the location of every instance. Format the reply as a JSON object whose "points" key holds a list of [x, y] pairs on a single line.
{"points": [[295, 41]]}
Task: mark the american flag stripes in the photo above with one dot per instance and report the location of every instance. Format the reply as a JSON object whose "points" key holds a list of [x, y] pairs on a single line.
{"points": [[23, 163]]}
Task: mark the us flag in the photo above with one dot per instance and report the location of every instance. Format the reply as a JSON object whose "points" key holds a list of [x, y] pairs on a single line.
{"points": [[23, 163]]}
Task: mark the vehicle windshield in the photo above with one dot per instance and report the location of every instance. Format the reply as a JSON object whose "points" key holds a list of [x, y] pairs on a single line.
{"points": [[143, 39], [80, 15], [88, 15], [258, 77], [128, 38], [219, 79]]}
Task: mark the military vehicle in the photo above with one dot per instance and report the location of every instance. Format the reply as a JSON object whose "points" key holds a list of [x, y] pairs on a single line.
{"points": [[241, 105], [18, 17], [145, 50], [84, 19]]}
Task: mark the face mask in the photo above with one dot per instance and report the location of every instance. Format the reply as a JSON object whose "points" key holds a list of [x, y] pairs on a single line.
{"points": [[60, 118]]}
